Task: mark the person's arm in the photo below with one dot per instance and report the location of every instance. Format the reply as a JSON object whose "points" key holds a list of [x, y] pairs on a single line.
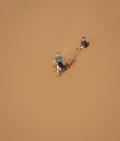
{"points": [[55, 61], [62, 60], [81, 43]]}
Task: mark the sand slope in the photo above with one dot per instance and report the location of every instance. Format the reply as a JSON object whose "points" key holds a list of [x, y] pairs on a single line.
{"points": [[83, 104]]}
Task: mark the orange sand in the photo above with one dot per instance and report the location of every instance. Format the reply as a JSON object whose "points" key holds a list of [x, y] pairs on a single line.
{"points": [[83, 104]]}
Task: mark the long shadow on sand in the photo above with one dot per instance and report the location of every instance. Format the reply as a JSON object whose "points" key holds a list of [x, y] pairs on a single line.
{"points": [[73, 58]]}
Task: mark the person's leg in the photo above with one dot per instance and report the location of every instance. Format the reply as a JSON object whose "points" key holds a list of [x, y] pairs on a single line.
{"points": [[58, 70], [61, 65], [81, 47]]}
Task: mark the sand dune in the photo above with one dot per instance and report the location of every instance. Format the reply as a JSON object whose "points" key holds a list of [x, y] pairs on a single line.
{"points": [[83, 104]]}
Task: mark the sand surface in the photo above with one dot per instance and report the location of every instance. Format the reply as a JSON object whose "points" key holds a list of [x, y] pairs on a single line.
{"points": [[81, 105]]}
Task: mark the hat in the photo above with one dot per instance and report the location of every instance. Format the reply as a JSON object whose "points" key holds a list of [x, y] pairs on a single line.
{"points": [[83, 37]]}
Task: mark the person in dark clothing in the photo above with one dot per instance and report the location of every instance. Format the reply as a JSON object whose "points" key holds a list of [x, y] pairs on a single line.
{"points": [[84, 43]]}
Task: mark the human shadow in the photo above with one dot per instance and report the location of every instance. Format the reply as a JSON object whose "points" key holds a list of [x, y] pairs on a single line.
{"points": [[70, 62], [74, 56]]}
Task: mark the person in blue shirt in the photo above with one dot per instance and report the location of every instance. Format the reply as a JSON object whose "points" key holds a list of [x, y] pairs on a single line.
{"points": [[59, 62], [60, 66]]}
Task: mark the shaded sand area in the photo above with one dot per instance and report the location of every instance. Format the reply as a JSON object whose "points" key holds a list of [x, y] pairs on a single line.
{"points": [[83, 104]]}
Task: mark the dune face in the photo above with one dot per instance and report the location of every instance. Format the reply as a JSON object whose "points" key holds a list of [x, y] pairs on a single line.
{"points": [[82, 104]]}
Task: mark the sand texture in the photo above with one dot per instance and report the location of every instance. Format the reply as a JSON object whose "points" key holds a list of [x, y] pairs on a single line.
{"points": [[81, 105]]}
